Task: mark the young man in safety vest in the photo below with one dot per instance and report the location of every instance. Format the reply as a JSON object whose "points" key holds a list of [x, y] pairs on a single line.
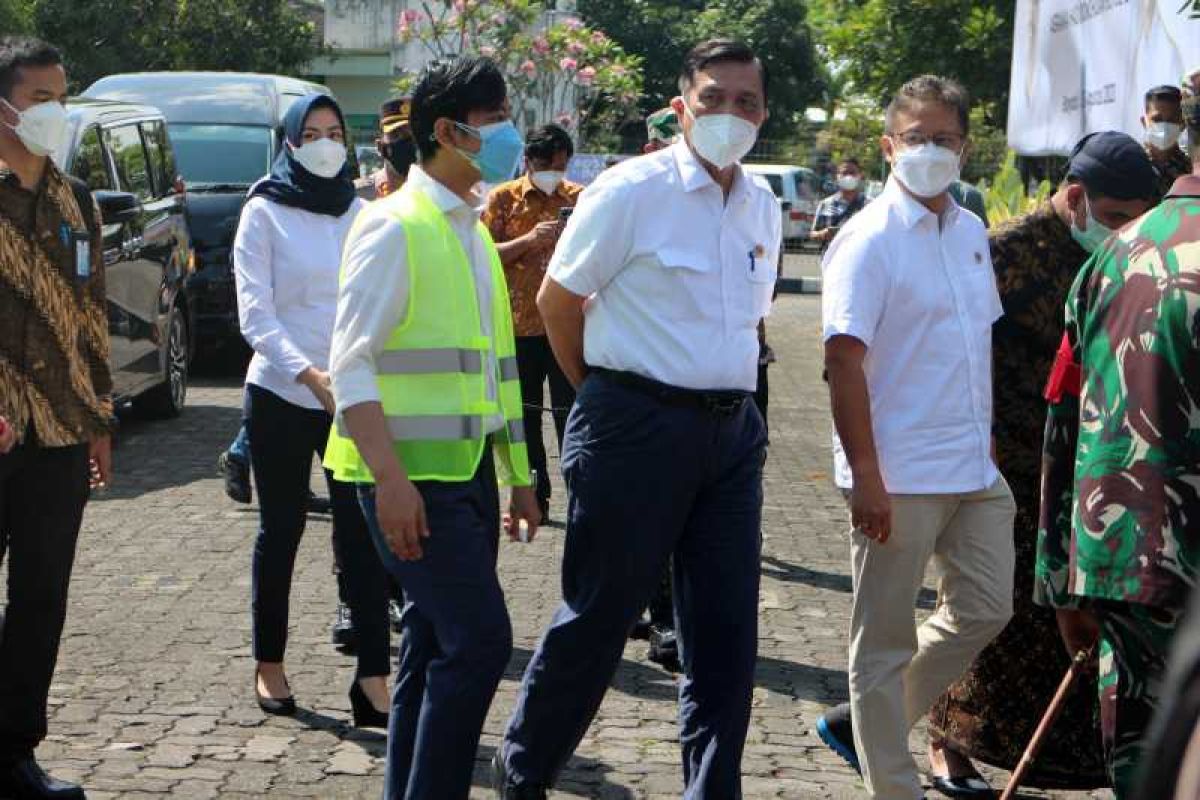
{"points": [[429, 409]]}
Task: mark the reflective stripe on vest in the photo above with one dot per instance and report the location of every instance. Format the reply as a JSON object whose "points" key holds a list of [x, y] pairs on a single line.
{"points": [[515, 429], [508, 369], [429, 361], [448, 427]]}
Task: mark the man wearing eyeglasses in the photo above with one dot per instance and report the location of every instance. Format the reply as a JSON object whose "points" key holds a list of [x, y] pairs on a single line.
{"points": [[908, 305]]}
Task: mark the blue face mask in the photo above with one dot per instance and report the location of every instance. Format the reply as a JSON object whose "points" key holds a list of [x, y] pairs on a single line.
{"points": [[500, 150]]}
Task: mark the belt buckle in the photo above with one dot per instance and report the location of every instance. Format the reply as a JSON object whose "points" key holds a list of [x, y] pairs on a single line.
{"points": [[724, 406]]}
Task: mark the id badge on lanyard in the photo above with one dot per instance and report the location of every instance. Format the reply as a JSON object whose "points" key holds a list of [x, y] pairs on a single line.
{"points": [[80, 243]]}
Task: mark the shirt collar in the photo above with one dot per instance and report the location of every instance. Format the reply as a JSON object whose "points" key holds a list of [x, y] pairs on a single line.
{"points": [[911, 212], [694, 176], [446, 201], [1185, 186]]}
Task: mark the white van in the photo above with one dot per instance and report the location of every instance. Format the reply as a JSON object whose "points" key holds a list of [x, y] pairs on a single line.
{"points": [[796, 189]]}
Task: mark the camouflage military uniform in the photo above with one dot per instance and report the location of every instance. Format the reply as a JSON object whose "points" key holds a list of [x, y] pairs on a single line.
{"points": [[1175, 166], [1120, 525]]}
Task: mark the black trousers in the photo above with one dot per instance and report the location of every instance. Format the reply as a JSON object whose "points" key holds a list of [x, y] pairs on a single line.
{"points": [[42, 494], [536, 364], [284, 438]]}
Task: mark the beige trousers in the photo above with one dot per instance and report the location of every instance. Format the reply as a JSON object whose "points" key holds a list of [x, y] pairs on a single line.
{"points": [[898, 669]]}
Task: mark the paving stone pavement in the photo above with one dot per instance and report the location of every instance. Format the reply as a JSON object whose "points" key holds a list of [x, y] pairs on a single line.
{"points": [[153, 694]]}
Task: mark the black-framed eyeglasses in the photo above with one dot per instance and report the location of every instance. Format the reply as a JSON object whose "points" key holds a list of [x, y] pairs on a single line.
{"points": [[913, 139]]}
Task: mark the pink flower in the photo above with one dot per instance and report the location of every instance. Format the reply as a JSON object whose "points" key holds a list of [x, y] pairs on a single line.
{"points": [[585, 76], [599, 38], [541, 46], [575, 48], [410, 16], [568, 63], [573, 23], [487, 51], [529, 68], [499, 19], [565, 119]]}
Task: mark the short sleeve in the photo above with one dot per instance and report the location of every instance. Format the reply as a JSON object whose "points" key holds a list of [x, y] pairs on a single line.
{"points": [[854, 286], [596, 243], [495, 213]]}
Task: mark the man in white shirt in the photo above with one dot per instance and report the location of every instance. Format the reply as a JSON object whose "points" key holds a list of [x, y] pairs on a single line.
{"points": [[908, 304], [651, 303], [414, 399]]}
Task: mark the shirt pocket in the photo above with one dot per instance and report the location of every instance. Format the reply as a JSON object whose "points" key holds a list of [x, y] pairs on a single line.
{"points": [[686, 283]]}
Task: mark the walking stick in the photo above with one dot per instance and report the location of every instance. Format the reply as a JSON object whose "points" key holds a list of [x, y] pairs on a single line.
{"points": [[1043, 729]]}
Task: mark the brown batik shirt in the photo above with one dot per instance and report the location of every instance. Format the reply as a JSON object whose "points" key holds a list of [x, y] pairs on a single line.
{"points": [[54, 374], [513, 210]]}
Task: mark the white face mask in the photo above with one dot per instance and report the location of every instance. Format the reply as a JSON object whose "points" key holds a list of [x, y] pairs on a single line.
{"points": [[547, 180], [721, 139], [41, 128], [849, 183], [926, 171], [323, 158], [1163, 135]]}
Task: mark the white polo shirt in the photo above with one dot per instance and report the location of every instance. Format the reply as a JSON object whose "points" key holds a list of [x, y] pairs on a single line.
{"points": [[923, 300], [677, 276]]}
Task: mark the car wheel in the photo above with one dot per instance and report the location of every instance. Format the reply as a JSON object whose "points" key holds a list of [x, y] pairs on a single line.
{"points": [[167, 399]]}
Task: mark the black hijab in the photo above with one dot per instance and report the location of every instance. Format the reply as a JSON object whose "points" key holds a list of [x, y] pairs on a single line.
{"points": [[290, 184]]}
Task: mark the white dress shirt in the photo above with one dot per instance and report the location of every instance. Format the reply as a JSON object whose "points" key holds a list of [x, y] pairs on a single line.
{"points": [[375, 289], [286, 266], [677, 276], [922, 297]]}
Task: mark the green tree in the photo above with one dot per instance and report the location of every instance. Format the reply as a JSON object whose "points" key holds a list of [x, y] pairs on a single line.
{"points": [[662, 31], [15, 17], [883, 43], [100, 37]]}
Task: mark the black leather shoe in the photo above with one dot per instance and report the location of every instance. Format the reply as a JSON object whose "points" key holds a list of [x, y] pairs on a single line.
{"points": [[318, 504], [237, 477], [664, 648], [509, 791], [342, 632], [640, 629], [366, 715], [279, 707], [26, 780]]}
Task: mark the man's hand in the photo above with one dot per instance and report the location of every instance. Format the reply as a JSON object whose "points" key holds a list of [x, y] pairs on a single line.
{"points": [[823, 235], [320, 384], [523, 505], [100, 461], [8, 436], [545, 233], [401, 515], [871, 507], [1078, 628]]}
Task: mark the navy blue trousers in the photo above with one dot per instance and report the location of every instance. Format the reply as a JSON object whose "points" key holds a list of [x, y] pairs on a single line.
{"points": [[650, 482], [457, 638]]}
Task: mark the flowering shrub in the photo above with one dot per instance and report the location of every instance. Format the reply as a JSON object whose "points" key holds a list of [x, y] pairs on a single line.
{"points": [[557, 68]]}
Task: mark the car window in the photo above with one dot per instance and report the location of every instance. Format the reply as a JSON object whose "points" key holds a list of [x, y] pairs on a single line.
{"points": [[162, 160], [805, 186], [776, 182], [221, 154], [129, 157], [89, 165]]}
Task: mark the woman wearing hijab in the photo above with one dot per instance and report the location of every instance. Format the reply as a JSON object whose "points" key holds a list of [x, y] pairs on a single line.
{"points": [[286, 259]]}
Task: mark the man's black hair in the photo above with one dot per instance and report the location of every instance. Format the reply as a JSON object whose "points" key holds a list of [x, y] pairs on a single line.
{"points": [[543, 143], [851, 161], [717, 51], [453, 90], [1166, 93], [23, 51], [930, 89]]}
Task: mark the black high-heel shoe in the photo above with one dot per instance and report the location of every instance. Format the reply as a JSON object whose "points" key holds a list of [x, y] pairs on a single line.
{"points": [[285, 707], [366, 715]]}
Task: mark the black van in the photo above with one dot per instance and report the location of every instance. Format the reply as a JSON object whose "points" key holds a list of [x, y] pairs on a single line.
{"points": [[123, 153], [227, 128]]}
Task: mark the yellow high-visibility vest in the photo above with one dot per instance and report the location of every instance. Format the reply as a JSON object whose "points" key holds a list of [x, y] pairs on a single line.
{"points": [[431, 373]]}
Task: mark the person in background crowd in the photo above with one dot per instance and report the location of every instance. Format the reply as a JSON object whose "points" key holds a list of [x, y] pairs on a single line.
{"points": [[657, 625], [992, 711], [1163, 121], [1119, 543], [970, 198], [396, 147], [662, 130], [835, 210], [286, 255], [425, 375], [525, 217], [55, 398], [908, 303], [1191, 82], [651, 303]]}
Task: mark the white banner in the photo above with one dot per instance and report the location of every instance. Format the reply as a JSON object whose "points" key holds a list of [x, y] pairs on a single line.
{"points": [[1084, 65]]}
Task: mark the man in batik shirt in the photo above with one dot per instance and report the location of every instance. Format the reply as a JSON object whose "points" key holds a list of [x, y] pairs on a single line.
{"points": [[1120, 538]]}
